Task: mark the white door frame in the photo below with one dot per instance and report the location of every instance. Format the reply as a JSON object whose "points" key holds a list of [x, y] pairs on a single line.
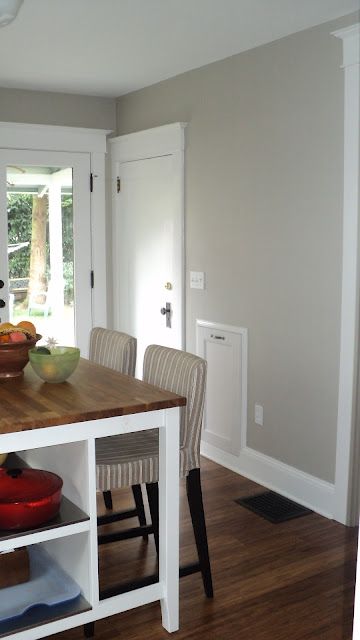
{"points": [[32, 137], [347, 470], [160, 141]]}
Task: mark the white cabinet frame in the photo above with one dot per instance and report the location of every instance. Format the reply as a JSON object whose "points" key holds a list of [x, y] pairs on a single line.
{"points": [[38, 444]]}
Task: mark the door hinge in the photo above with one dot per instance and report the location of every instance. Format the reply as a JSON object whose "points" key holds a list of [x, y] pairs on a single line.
{"points": [[92, 279], [91, 182], [118, 184]]}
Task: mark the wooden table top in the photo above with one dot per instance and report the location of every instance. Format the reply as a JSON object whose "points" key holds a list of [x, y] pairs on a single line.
{"points": [[92, 392]]}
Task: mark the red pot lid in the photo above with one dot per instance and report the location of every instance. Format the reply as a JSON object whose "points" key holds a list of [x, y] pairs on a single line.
{"points": [[26, 485]]}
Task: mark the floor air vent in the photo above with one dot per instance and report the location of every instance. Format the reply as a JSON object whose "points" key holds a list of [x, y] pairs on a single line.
{"points": [[273, 507]]}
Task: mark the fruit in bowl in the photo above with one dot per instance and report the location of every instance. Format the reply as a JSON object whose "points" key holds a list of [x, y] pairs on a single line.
{"points": [[54, 364], [3, 457], [15, 342]]}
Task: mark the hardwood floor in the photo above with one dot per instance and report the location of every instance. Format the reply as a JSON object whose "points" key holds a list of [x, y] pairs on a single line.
{"points": [[271, 581]]}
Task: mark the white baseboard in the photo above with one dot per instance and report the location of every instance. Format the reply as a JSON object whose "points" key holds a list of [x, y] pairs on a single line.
{"points": [[296, 485]]}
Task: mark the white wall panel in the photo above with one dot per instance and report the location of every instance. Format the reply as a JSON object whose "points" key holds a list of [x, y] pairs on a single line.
{"points": [[225, 349]]}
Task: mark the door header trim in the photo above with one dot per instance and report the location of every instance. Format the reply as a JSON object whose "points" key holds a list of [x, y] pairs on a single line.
{"points": [[150, 143], [19, 135]]}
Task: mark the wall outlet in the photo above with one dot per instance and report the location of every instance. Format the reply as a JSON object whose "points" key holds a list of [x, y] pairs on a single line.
{"points": [[259, 415]]}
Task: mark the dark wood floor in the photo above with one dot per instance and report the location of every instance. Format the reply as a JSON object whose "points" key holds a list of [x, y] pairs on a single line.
{"points": [[272, 582]]}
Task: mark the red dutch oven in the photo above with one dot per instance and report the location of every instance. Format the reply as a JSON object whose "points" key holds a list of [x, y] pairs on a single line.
{"points": [[28, 497]]}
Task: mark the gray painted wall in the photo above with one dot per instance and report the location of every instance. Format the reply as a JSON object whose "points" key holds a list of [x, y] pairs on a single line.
{"points": [[264, 149], [41, 107]]}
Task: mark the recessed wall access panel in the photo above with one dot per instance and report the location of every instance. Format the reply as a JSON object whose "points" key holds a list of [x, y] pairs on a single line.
{"points": [[225, 413]]}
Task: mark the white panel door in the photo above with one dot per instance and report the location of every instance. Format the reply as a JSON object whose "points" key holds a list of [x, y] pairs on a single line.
{"points": [[52, 187], [148, 252]]}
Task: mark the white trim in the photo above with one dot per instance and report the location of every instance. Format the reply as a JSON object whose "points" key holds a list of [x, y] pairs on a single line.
{"points": [[311, 492], [346, 478], [217, 326], [350, 37], [221, 327], [159, 141], [356, 625], [42, 137], [98, 241]]}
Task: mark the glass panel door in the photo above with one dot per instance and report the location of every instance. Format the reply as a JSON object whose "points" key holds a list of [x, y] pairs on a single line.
{"points": [[45, 261]]}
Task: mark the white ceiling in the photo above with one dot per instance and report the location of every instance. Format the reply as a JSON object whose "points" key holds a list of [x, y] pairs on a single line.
{"points": [[112, 47]]}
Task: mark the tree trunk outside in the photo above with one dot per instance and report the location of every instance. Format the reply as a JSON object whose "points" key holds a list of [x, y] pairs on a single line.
{"points": [[37, 281]]}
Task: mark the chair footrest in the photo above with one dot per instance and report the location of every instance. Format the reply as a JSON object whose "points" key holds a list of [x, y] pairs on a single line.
{"points": [[188, 569], [117, 516], [135, 532], [117, 589]]}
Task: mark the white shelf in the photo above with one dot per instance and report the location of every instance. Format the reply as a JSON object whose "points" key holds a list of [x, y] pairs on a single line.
{"points": [[69, 521]]}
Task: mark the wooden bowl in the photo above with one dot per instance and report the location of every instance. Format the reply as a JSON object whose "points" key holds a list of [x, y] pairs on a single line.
{"points": [[14, 356]]}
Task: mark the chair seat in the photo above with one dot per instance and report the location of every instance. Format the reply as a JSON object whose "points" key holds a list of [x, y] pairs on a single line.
{"points": [[131, 459], [128, 459]]}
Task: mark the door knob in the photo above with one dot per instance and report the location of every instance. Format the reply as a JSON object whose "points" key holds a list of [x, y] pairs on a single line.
{"points": [[166, 311], [2, 304]]}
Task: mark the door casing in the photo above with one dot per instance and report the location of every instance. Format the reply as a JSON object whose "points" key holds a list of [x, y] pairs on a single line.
{"points": [[152, 144], [92, 143]]}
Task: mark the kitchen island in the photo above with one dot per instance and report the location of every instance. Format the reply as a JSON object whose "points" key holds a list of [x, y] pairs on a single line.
{"points": [[55, 427]]}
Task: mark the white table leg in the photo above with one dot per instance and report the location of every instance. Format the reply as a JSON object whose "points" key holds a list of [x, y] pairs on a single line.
{"points": [[169, 519]]}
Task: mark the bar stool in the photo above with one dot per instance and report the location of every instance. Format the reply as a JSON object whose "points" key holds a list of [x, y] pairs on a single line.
{"points": [[133, 459]]}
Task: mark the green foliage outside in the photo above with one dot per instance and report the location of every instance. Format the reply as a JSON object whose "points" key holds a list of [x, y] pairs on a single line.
{"points": [[19, 210], [19, 230]]}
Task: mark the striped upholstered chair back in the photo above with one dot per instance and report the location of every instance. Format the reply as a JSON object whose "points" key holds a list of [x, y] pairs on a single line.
{"points": [[113, 349], [185, 374]]}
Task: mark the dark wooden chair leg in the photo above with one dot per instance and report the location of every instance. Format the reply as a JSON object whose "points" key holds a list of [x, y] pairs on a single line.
{"points": [[108, 499], [139, 503], [194, 494], [153, 499], [89, 630]]}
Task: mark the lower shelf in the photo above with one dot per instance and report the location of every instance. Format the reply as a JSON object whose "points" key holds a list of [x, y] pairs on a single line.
{"points": [[49, 595], [43, 615]]}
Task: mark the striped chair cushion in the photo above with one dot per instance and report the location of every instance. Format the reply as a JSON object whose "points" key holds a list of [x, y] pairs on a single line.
{"points": [[113, 349], [122, 461], [131, 459]]}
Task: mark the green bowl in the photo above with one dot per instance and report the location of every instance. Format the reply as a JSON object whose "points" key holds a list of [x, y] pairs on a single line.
{"points": [[55, 366]]}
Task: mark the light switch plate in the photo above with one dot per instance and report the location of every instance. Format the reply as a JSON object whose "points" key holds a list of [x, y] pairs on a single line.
{"points": [[259, 415], [197, 280]]}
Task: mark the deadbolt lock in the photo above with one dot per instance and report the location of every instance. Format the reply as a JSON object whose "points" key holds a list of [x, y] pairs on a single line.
{"points": [[168, 286]]}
